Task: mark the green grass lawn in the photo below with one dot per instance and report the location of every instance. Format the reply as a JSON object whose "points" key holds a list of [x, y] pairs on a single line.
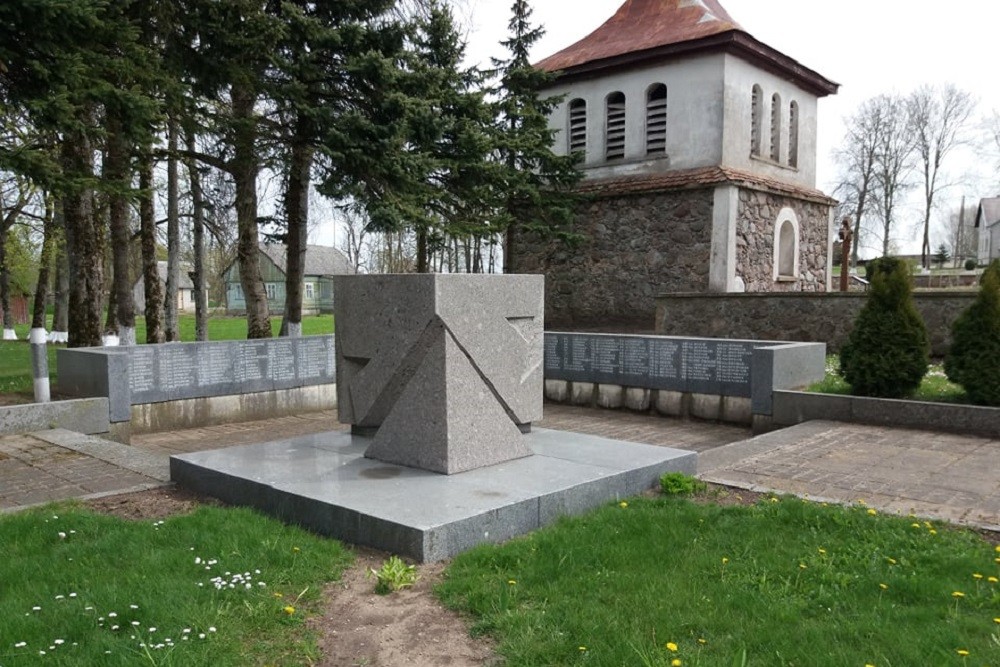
{"points": [[15, 356], [658, 582], [934, 387], [78, 588]]}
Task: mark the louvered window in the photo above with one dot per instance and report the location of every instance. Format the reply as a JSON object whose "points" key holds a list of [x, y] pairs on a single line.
{"points": [[578, 126], [775, 127], [615, 133], [656, 120], [757, 100], [793, 135]]}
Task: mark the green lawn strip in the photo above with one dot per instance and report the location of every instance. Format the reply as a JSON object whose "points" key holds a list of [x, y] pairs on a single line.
{"points": [[935, 386], [788, 582], [66, 582], [15, 356]]}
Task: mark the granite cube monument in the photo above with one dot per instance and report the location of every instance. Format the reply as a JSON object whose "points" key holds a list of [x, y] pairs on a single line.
{"points": [[444, 371]]}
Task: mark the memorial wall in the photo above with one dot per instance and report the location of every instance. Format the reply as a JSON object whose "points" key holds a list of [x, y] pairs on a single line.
{"points": [[693, 365]]}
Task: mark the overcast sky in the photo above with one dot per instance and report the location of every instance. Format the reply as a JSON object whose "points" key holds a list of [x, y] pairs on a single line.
{"points": [[867, 46]]}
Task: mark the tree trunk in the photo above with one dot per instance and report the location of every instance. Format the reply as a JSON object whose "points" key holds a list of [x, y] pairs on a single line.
{"points": [[83, 243], [44, 267], [147, 233], [173, 237], [8, 315], [60, 310], [244, 170], [198, 240], [421, 251], [118, 170], [297, 212]]}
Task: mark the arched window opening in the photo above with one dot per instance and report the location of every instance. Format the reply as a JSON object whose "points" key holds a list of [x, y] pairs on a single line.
{"points": [[615, 131], [656, 120], [577, 126], [786, 246], [793, 134], [756, 116], [776, 127]]}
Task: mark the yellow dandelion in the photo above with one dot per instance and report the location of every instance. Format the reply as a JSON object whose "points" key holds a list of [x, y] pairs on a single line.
{"points": [[279, 595], [872, 512], [993, 580], [890, 561], [672, 647], [884, 587], [997, 561], [296, 549], [581, 648], [705, 641], [932, 531], [915, 525], [868, 664], [996, 620], [962, 652], [861, 501], [997, 548], [927, 524], [623, 504], [724, 560], [958, 594], [676, 662], [976, 575], [773, 499], [289, 610], [802, 566], [822, 551]]}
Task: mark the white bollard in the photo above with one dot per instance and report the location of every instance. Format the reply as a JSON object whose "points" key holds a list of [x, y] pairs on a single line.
{"points": [[40, 365]]}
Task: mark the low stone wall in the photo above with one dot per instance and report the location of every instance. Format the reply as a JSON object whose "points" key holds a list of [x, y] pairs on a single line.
{"points": [[795, 407], [181, 385], [822, 318], [88, 416], [715, 379]]}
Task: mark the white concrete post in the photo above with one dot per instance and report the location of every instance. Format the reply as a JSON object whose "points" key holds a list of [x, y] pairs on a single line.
{"points": [[39, 365]]}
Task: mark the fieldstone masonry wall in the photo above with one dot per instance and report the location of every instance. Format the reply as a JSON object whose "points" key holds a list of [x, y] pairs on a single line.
{"points": [[825, 318], [758, 213], [634, 247]]}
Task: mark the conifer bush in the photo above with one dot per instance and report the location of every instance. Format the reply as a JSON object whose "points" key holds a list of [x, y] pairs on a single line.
{"points": [[973, 361], [887, 351]]}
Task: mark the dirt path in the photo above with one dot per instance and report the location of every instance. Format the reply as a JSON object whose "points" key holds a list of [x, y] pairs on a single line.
{"points": [[409, 628]]}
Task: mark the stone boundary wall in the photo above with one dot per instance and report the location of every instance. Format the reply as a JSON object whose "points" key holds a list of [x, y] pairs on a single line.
{"points": [[714, 379], [795, 407], [822, 318], [200, 377]]}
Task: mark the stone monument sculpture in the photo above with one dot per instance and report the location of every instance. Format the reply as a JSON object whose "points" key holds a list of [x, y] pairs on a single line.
{"points": [[444, 372]]}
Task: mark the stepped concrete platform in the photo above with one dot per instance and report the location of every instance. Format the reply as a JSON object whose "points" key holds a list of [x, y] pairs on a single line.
{"points": [[323, 482]]}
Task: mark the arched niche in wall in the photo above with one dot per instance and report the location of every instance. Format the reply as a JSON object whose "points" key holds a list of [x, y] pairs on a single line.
{"points": [[786, 246]]}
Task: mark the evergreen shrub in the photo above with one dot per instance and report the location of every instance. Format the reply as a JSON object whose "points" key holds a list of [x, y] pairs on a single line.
{"points": [[970, 265], [887, 351], [973, 361]]}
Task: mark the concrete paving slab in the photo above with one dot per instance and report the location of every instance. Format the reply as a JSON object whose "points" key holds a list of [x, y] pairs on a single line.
{"points": [[324, 482]]}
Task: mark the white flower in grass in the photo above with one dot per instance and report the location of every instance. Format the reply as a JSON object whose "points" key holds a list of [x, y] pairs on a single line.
{"points": [[212, 629], [152, 629], [111, 614], [114, 627], [72, 595], [60, 597], [62, 535], [135, 623], [59, 642], [201, 635], [133, 606], [20, 644], [36, 608], [186, 631]]}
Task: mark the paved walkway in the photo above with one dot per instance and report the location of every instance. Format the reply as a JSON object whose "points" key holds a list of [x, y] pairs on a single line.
{"points": [[949, 477]]}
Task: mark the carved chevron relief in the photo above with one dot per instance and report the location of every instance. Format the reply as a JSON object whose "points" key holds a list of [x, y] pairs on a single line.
{"points": [[444, 370]]}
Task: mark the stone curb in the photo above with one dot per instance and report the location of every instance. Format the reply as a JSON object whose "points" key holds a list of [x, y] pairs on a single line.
{"points": [[136, 460]]}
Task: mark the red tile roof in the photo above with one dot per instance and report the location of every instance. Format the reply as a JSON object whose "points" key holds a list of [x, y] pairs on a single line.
{"points": [[697, 178], [644, 30], [645, 24]]}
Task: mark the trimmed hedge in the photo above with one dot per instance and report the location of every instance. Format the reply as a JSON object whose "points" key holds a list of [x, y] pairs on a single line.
{"points": [[973, 361], [887, 351]]}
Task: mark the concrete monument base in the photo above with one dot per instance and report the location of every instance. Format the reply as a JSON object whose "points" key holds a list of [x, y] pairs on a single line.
{"points": [[323, 482]]}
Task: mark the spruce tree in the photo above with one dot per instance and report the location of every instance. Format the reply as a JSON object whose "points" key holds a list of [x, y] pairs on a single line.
{"points": [[973, 360], [537, 194], [887, 351]]}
